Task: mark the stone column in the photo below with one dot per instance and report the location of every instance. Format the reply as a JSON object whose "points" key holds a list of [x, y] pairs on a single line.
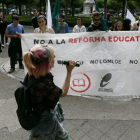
{"points": [[88, 6]]}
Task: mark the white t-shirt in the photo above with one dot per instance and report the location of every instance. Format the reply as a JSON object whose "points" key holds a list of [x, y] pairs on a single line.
{"points": [[77, 29]]}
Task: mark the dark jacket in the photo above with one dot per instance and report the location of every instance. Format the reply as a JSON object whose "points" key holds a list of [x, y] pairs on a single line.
{"points": [[34, 22], [108, 22], [3, 26]]}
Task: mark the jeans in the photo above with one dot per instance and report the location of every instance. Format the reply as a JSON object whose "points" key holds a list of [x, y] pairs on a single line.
{"points": [[49, 127], [15, 48]]}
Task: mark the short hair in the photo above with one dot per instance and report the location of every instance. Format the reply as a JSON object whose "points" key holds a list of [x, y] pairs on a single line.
{"points": [[14, 16], [14, 13], [80, 18], [38, 60], [119, 22], [34, 10], [95, 14]]}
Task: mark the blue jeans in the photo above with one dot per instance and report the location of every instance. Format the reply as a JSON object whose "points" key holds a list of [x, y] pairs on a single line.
{"points": [[50, 127]]}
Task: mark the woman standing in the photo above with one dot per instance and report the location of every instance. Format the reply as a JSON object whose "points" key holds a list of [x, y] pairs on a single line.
{"points": [[45, 94], [3, 25], [42, 22], [79, 27]]}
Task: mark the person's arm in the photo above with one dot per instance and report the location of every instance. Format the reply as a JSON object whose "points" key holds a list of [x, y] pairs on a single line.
{"points": [[89, 29], [11, 36], [67, 28], [51, 31], [66, 84]]}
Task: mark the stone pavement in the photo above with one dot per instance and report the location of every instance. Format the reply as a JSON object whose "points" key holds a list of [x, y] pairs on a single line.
{"points": [[86, 119]]}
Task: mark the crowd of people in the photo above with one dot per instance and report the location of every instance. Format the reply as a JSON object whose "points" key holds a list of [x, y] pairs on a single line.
{"points": [[39, 23], [39, 62]]}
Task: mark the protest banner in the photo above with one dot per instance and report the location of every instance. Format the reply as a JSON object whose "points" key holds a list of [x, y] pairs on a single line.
{"points": [[109, 61]]}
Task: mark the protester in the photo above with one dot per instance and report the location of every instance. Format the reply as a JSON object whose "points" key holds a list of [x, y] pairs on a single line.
{"points": [[135, 26], [112, 28], [79, 27], [3, 25], [34, 19], [127, 25], [96, 26], [63, 26], [108, 20], [119, 26], [42, 22], [45, 94], [13, 30]]}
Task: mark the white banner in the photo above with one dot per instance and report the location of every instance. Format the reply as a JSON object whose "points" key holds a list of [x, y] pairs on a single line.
{"points": [[109, 61]]}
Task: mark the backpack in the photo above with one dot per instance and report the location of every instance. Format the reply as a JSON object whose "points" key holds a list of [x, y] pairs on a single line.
{"points": [[27, 117]]}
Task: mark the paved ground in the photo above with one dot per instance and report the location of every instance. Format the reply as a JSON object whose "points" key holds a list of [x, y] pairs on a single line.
{"points": [[86, 119]]}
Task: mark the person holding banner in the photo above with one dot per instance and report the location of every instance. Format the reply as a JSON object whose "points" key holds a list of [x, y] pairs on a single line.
{"points": [[96, 26], [45, 94], [13, 30], [79, 27], [42, 22]]}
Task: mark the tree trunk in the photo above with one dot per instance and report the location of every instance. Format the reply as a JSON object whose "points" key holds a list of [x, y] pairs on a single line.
{"points": [[123, 9], [20, 8], [66, 7], [3, 8], [105, 9], [72, 6], [29, 4], [40, 7], [44, 7]]}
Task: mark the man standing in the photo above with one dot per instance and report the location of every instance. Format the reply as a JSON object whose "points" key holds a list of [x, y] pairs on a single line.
{"points": [[34, 19], [96, 26], [63, 26], [12, 31], [108, 20]]}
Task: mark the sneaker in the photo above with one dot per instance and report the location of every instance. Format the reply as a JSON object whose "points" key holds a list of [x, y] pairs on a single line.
{"points": [[21, 67], [0, 50], [11, 70], [7, 44], [2, 45]]}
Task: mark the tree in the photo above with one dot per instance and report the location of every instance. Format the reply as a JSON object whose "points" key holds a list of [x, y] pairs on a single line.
{"points": [[105, 9]]}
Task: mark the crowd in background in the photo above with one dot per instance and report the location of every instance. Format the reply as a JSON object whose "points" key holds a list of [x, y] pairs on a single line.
{"points": [[39, 61], [39, 23]]}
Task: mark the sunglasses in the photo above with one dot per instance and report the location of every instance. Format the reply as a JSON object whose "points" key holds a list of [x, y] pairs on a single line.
{"points": [[16, 19], [96, 19]]}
